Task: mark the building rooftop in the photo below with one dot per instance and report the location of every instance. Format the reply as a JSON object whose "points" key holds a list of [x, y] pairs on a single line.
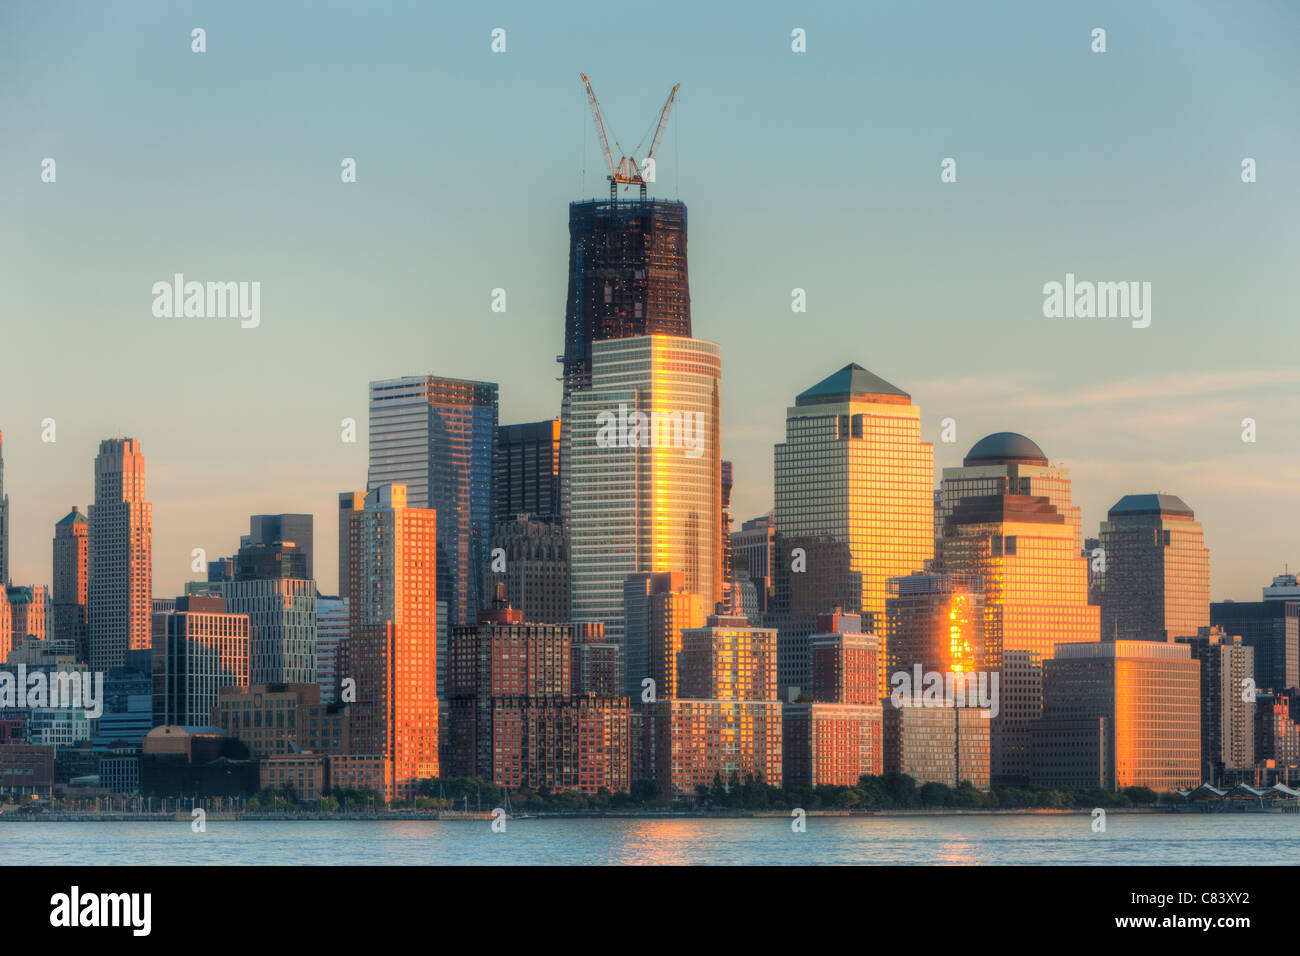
{"points": [[1005, 448], [72, 517], [849, 382], [1151, 505]]}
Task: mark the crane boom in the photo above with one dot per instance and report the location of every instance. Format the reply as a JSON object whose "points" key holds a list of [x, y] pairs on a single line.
{"points": [[663, 121], [627, 170], [600, 127]]}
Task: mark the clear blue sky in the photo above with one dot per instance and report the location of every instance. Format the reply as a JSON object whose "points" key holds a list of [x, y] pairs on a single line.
{"points": [[817, 170]]}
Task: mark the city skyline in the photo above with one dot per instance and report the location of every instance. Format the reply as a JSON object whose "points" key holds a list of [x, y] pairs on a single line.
{"points": [[1037, 198]]}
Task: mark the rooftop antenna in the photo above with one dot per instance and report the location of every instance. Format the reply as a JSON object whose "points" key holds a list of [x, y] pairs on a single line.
{"points": [[628, 171]]}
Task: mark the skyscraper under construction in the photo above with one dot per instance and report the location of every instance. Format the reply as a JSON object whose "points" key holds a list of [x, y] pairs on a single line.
{"points": [[627, 270], [627, 277]]}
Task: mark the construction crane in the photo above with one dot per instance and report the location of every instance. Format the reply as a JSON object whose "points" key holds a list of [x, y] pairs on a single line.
{"points": [[627, 171]]}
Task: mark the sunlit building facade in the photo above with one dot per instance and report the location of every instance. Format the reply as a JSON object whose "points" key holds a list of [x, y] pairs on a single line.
{"points": [[1120, 714], [1007, 463], [854, 494], [831, 745], [733, 732], [837, 736], [646, 473], [1035, 579], [120, 556], [393, 637], [655, 621], [937, 621], [843, 660], [1157, 570]]}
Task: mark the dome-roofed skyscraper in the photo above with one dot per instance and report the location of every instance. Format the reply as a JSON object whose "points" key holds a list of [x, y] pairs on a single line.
{"points": [[1157, 570], [1006, 516]]}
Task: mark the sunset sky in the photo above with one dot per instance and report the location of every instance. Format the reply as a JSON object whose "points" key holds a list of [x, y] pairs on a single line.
{"points": [[817, 170]]}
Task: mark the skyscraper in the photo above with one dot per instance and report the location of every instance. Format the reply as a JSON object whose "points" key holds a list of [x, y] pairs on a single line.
{"points": [[71, 563], [657, 608], [1028, 555], [393, 637], [350, 502], [1157, 570], [627, 277], [1007, 463], [437, 437], [120, 562], [646, 482], [837, 736], [854, 508], [936, 621], [331, 633], [752, 548]]}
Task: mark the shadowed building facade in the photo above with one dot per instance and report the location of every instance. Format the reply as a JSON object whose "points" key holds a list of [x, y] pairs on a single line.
{"points": [[1271, 628], [437, 437], [1227, 705], [515, 718], [71, 580], [1157, 585]]}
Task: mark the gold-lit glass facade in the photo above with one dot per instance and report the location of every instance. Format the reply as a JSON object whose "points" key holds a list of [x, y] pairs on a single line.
{"points": [[1146, 695], [1027, 551], [854, 488], [646, 507], [937, 621]]}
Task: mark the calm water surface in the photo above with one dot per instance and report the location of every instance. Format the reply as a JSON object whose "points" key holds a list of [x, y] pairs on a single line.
{"points": [[1202, 839]]}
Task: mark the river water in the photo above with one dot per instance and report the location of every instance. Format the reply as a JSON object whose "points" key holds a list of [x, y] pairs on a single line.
{"points": [[1129, 839]]}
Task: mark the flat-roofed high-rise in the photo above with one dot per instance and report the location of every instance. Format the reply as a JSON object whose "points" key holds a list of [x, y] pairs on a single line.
{"points": [[393, 637], [120, 556], [437, 437], [646, 483]]}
